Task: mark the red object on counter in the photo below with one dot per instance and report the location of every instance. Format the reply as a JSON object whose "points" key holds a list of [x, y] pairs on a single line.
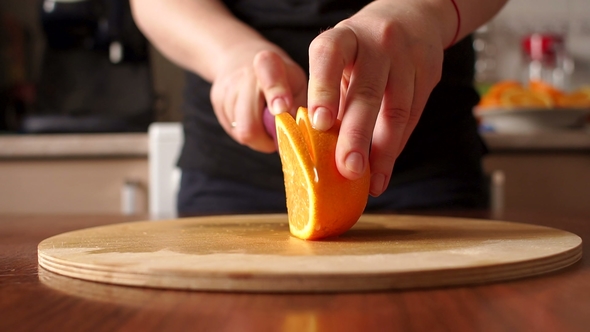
{"points": [[542, 47]]}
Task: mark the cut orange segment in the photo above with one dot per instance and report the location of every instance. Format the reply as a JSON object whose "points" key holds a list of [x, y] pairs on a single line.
{"points": [[486, 101], [577, 99], [545, 88], [493, 97], [497, 89], [320, 201], [538, 94], [518, 97]]}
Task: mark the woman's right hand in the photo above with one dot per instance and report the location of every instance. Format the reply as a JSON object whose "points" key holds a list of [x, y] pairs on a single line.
{"points": [[253, 78], [245, 68]]}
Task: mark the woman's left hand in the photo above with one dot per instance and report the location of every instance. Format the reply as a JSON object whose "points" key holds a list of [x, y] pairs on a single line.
{"points": [[375, 72]]}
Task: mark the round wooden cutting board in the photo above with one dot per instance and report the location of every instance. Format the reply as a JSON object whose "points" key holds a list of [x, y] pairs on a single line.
{"points": [[257, 253]]}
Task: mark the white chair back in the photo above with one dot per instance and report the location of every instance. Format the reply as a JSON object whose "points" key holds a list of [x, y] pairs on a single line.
{"points": [[165, 143]]}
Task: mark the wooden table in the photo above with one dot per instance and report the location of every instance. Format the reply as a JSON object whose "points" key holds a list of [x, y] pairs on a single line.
{"points": [[33, 299]]}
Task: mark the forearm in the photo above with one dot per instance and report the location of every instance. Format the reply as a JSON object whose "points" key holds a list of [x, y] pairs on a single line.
{"points": [[201, 36], [472, 14], [476, 13], [443, 14]]}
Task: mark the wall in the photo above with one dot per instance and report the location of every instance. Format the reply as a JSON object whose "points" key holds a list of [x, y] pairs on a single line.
{"points": [[544, 181], [25, 12], [520, 17], [71, 185], [517, 17], [168, 78]]}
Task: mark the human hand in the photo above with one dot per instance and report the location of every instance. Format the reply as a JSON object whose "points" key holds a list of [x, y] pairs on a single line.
{"points": [[252, 78], [375, 72]]}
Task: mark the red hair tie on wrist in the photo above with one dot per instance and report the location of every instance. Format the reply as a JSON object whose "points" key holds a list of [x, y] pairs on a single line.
{"points": [[458, 24]]}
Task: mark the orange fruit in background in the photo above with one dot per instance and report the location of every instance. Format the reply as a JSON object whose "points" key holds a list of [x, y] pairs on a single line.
{"points": [[580, 98], [526, 98], [493, 97], [545, 88], [538, 94], [487, 101], [320, 201], [497, 89]]}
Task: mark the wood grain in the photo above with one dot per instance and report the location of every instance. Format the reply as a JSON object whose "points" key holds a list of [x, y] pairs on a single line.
{"points": [[256, 253]]}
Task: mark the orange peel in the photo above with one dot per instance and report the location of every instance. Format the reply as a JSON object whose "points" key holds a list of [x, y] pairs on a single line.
{"points": [[321, 202]]}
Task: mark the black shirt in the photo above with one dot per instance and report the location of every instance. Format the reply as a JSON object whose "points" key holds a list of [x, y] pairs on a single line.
{"points": [[444, 141]]}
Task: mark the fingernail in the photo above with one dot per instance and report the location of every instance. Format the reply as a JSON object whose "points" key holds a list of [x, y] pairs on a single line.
{"points": [[278, 106], [354, 162], [322, 119], [377, 184]]}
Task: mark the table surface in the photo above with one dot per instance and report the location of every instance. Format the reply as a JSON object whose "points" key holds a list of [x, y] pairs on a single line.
{"points": [[34, 299]]}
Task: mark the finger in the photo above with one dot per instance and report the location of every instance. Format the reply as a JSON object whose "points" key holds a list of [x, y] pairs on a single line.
{"points": [[272, 80], [222, 98], [329, 55], [298, 83], [228, 103], [389, 135], [363, 100], [344, 84], [249, 129]]}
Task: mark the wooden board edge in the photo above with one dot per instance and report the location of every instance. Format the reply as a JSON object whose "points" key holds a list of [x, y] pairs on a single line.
{"points": [[240, 282]]}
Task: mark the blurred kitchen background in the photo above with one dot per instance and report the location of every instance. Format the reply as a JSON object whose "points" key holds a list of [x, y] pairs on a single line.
{"points": [[36, 33], [79, 86], [499, 44]]}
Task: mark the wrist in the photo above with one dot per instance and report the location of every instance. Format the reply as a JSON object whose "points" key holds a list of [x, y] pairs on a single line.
{"points": [[441, 15], [448, 16], [458, 28]]}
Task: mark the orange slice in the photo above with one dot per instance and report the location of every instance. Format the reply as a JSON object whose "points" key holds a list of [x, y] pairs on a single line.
{"points": [[545, 88], [497, 89], [577, 99], [518, 97], [487, 101], [320, 201], [492, 96]]}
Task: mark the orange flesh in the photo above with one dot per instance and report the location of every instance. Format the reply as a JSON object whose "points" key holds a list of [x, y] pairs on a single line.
{"points": [[320, 201]]}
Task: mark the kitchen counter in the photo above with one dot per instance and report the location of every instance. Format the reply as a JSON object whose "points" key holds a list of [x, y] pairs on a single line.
{"points": [[73, 173], [85, 173], [35, 299], [572, 141], [74, 145], [546, 171], [136, 144]]}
